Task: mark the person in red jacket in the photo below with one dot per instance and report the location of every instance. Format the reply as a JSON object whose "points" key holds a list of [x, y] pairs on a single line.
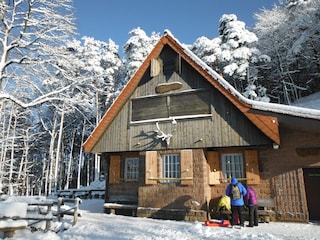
{"points": [[252, 203]]}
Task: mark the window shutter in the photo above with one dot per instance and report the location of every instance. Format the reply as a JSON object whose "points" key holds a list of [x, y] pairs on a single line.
{"points": [[252, 166], [214, 168], [151, 167], [186, 167], [114, 175], [155, 67]]}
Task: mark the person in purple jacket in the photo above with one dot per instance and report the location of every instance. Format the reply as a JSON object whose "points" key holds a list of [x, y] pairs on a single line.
{"points": [[236, 191], [252, 203]]}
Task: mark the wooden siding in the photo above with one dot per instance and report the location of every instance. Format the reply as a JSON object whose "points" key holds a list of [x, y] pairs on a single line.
{"points": [[227, 126], [189, 133], [169, 52]]}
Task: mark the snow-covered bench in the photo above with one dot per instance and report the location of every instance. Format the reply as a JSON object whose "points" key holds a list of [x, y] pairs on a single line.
{"points": [[265, 206], [114, 206], [121, 202], [11, 214]]}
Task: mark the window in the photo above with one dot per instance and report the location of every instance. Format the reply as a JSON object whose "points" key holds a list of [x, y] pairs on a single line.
{"points": [[171, 168], [131, 170], [188, 103], [232, 165], [168, 168], [241, 165], [144, 108]]}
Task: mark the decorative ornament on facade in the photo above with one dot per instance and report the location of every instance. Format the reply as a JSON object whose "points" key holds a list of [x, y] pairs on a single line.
{"points": [[165, 136]]}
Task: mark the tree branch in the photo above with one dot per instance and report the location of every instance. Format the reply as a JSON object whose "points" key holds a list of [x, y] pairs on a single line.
{"points": [[42, 99]]}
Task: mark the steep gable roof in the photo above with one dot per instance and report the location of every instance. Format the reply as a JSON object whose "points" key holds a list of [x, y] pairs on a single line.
{"points": [[266, 123]]}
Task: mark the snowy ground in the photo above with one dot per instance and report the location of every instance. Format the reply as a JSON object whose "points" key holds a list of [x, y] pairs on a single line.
{"points": [[93, 224], [311, 101]]}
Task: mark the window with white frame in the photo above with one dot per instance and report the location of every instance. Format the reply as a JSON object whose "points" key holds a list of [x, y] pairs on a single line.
{"points": [[131, 169], [171, 168], [232, 165]]}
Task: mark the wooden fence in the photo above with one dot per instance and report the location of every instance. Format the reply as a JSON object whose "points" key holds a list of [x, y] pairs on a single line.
{"points": [[35, 212]]}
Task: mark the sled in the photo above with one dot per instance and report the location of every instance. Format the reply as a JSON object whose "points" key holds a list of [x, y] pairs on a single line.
{"points": [[217, 223]]}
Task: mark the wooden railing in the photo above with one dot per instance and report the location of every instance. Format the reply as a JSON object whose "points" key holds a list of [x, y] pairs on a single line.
{"points": [[72, 210], [44, 211], [82, 193], [38, 211]]}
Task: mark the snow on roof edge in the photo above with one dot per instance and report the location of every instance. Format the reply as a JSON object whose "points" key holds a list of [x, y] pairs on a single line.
{"points": [[287, 109]]}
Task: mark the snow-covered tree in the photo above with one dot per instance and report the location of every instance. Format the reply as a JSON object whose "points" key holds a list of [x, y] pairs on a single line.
{"points": [[137, 49], [289, 34], [30, 35], [101, 67], [234, 55], [207, 49], [235, 51], [90, 79]]}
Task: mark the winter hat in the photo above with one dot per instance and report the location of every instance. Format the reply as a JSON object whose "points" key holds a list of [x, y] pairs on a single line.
{"points": [[234, 180]]}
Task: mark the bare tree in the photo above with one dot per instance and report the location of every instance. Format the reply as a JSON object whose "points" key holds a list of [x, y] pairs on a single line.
{"points": [[31, 35], [31, 32], [289, 34]]}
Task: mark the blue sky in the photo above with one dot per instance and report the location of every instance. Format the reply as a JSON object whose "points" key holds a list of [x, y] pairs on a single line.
{"points": [[186, 19]]}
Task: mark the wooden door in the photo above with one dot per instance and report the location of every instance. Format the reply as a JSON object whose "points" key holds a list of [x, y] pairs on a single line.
{"points": [[289, 196], [311, 181]]}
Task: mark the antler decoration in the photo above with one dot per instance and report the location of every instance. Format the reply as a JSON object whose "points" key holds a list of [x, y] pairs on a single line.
{"points": [[163, 136]]}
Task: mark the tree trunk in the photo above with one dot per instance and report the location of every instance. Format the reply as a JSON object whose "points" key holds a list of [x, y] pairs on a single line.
{"points": [[96, 157], [70, 162], [2, 141], [24, 161], [81, 155], [11, 165], [51, 154], [58, 151]]}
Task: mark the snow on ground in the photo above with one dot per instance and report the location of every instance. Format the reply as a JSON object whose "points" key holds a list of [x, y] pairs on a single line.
{"points": [[94, 224], [311, 101]]}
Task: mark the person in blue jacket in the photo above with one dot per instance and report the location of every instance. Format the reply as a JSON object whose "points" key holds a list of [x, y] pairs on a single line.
{"points": [[236, 191]]}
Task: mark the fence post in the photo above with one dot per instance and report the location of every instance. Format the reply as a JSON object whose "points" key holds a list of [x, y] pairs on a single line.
{"points": [[60, 202], [76, 208], [48, 222]]}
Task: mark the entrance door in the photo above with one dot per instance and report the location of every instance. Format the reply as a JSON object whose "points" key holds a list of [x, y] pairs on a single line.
{"points": [[311, 181], [289, 195]]}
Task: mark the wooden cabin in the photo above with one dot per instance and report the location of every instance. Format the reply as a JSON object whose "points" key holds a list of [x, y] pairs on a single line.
{"points": [[178, 132]]}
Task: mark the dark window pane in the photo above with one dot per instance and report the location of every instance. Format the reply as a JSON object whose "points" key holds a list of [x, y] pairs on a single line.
{"points": [[149, 108], [190, 103]]}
